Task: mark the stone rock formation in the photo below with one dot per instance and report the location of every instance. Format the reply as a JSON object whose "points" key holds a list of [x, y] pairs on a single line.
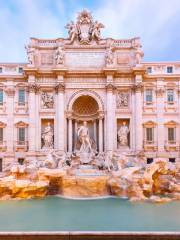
{"points": [[157, 182]]}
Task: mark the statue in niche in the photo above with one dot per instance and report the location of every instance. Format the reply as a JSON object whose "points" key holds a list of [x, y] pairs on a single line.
{"points": [[109, 57], [84, 138], [47, 100], [122, 99], [59, 57], [30, 53], [48, 137], [123, 135]]}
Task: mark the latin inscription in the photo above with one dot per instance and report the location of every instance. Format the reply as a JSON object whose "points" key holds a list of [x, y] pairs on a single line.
{"points": [[85, 59]]}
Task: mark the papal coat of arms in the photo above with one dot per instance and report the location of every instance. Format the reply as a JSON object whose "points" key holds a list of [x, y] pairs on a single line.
{"points": [[85, 29]]}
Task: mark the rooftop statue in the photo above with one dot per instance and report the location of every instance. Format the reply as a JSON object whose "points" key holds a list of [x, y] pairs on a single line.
{"points": [[85, 29]]}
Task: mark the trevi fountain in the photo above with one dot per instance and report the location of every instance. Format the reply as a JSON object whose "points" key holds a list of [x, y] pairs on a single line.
{"points": [[88, 174], [100, 151], [87, 119]]}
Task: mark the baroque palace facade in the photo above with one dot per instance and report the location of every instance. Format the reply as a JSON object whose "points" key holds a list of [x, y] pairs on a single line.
{"points": [[130, 106]]}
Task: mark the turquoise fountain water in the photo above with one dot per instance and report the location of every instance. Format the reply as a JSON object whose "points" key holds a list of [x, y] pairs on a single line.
{"points": [[113, 214]]}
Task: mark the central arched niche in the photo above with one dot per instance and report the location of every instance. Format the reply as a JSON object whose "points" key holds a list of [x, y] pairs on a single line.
{"points": [[85, 108]]}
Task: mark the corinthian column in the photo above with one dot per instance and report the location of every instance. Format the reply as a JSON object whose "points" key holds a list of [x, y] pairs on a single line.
{"points": [[138, 117], [110, 119], [32, 117], [100, 134], [69, 134], [60, 118]]}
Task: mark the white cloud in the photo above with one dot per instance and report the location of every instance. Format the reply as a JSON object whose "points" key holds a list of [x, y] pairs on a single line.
{"points": [[29, 19], [155, 21]]}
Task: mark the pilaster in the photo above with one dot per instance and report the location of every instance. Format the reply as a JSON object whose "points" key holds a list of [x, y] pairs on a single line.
{"points": [[70, 145], [110, 115], [33, 89], [160, 116], [138, 113], [60, 117], [100, 133], [10, 92]]}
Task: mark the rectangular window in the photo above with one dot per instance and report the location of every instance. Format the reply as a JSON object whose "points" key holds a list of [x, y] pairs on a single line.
{"points": [[21, 135], [149, 96], [1, 134], [171, 134], [170, 95], [172, 160], [1, 97], [1, 69], [1, 163], [149, 160], [21, 97], [149, 134], [149, 70], [21, 161], [169, 69], [20, 70]]}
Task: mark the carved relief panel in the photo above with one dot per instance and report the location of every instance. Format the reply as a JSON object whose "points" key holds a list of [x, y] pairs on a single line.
{"points": [[47, 100], [122, 99]]}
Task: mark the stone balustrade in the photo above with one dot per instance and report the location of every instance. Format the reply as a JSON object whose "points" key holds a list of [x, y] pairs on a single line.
{"points": [[21, 146], [3, 146], [171, 146], [150, 145]]}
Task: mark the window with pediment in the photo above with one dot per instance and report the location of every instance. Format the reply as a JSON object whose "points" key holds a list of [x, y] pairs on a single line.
{"points": [[21, 132], [171, 134], [1, 96], [2, 126], [21, 96], [170, 95], [149, 96], [149, 129], [171, 127]]}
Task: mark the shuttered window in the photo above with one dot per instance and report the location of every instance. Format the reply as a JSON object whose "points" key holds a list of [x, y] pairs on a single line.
{"points": [[1, 134], [1, 97], [171, 134], [170, 95], [21, 97], [149, 95], [21, 135], [149, 134]]}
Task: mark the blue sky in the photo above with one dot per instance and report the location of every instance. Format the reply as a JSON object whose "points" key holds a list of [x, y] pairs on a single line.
{"points": [[157, 22]]}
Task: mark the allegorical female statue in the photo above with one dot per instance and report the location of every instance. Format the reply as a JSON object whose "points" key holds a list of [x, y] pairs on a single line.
{"points": [[47, 136], [84, 138], [123, 135], [59, 57], [30, 54]]}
